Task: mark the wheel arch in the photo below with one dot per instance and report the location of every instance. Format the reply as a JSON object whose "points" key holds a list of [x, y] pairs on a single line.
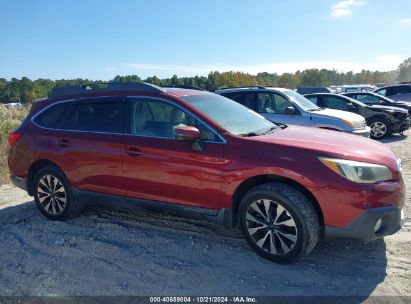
{"points": [[254, 181], [34, 168]]}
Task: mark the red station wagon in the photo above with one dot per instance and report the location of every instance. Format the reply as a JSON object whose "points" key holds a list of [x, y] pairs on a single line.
{"points": [[198, 153]]}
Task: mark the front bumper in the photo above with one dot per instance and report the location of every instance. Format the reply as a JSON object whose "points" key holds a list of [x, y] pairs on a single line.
{"points": [[365, 132], [401, 125], [363, 227], [19, 182]]}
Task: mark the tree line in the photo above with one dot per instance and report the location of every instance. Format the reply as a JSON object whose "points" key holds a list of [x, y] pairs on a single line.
{"points": [[25, 90]]}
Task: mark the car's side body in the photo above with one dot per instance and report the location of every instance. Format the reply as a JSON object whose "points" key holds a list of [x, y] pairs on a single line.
{"points": [[321, 118], [98, 148]]}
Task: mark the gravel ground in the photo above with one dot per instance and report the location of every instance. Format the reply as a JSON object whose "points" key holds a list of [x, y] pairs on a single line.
{"points": [[111, 252]]}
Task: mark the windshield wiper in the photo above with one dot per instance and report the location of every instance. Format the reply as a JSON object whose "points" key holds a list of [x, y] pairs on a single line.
{"points": [[255, 133], [314, 110], [269, 130]]}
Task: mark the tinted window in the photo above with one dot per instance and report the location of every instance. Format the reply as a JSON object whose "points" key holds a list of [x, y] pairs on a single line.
{"points": [[158, 119], [334, 103], [272, 103], [391, 91], [367, 99], [57, 116], [313, 99], [382, 92], [404, 89], [245, 98], [100, 116]]}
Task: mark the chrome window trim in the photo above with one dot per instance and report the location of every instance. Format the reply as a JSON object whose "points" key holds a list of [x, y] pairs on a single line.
{"points": [[222, 139]]}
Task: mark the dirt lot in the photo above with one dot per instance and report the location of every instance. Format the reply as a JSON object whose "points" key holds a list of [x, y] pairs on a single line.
{"points": [[109, 252]]}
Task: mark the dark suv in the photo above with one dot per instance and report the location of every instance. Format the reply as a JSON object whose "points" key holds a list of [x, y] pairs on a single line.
{"points": [[399, 92], [198, 153], [382, 120]]}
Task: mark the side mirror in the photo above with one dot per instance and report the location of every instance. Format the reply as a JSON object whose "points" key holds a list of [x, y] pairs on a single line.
{"points": [[187, 133], [350, 106], [290, 111]]}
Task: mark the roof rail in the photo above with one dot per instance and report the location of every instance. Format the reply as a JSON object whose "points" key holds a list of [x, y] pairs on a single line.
{"points": [[111, 86], [243, 87], [184, 86]]}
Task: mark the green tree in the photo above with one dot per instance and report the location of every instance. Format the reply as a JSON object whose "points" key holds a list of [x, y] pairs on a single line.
{"points": [[404, 70]]}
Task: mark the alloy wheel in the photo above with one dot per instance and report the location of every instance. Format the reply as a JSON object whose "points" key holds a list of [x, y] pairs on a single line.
{"points": [[51, 194], [271, 227], [378, 129]]}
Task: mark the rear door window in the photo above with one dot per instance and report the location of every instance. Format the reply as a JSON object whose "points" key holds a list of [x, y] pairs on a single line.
{"points": [[404, 89], [100, 116], [335, 103], [368, 99], [245, 98]]}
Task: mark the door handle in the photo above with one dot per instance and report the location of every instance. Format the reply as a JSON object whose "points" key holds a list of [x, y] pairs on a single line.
{"points": [[63, 143], [133, 151]]}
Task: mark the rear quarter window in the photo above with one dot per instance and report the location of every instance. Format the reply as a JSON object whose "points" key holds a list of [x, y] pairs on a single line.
{"points": [[55, 116]]}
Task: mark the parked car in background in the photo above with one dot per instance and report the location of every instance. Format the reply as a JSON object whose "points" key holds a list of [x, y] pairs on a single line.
{"points": [[195, 152], [13, 105], [285, 106], [400, 92], [310, 90], [357, 88], [382, 120], [371, 99]]}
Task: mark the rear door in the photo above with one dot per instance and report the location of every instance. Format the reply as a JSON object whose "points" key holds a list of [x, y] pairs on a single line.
{"points": [[87, 145], [156, 167]]}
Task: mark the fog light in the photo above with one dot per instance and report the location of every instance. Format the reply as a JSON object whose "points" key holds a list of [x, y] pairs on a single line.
{"points": [[378, 225]]}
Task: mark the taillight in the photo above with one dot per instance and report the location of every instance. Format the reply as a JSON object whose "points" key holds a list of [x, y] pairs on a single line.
{"points": [[13, 138]]}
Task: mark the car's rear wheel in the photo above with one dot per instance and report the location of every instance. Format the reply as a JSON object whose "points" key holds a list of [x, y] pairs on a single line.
{"points": [[279, 222], [53, 194], [380, 128]]}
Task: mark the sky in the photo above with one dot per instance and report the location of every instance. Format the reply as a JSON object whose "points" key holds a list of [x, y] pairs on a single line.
{"points": [[99, 39]]}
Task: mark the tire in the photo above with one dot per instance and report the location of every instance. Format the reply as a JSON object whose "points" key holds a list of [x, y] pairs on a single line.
{"points": [[380, 128], [286, 237], [53, 194]]}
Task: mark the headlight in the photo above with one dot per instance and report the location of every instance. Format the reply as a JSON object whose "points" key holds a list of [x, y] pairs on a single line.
{"points": [[358, 172], [347, 122]]}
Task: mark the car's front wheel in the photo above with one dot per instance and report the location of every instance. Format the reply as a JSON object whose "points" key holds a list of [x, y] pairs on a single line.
{"points": [[380, 128], [53, 194], [279, 222]]}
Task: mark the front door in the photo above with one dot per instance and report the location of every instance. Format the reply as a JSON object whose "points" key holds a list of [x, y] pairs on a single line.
{"points": [[273, 107], [157, 167]]}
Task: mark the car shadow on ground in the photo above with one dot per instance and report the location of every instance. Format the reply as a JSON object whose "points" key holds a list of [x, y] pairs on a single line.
{"points": [[112, 252], [393, 138]]}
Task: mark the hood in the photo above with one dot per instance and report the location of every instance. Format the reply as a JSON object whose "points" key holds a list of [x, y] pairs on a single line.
{"points": [[331, 144], [387, 109], [339, 114]]}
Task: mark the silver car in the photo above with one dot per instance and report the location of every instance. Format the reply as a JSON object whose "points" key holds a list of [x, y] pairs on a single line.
{"points": [[285, 106]]}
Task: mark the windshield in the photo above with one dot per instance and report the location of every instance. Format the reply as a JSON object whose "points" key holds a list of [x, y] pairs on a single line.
{"points": [[300, 100], [232, 116]]}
